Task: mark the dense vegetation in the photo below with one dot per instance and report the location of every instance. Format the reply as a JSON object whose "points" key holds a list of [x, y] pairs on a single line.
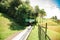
{"points": [[19, 10], [16, 9]]}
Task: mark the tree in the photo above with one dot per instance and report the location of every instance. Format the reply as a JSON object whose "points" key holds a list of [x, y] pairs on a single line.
{"points": [[15, 3], [0, 0], [17, 10], [4, 6], [42, 13], [27, 2], [24, 12], [54, 18], [37, 10], [11, 11]]}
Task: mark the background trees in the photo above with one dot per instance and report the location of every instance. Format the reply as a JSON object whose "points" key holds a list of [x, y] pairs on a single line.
{"points": [[55, 19], [42, 13]]}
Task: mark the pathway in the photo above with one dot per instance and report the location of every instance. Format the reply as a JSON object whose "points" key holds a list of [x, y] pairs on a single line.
{"points": [[23, 35]]}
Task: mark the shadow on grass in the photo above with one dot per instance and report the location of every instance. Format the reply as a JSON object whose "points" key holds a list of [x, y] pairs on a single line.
{"points": [[14, 25], [39, 32], [42, 35]]}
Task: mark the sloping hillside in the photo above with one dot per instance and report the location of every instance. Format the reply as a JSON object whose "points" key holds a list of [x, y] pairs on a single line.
{"points": [[53, 29], [7, 27]]}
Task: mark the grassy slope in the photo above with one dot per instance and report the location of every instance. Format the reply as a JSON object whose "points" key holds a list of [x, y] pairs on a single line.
{"points": [[34, 34], [53, 29], [5, 30], [53, 35]]}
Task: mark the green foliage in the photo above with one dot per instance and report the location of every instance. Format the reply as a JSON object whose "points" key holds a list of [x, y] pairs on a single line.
{"points": [[17, 10], [54, 17], [37, 10], [27, 2], [42, 13], [15, 3]]}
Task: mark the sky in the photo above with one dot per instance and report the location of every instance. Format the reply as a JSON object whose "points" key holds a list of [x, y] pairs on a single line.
{"points": [[52, 7], [57, 2]]}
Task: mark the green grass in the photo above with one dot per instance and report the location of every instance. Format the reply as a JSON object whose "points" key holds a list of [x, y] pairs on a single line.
{"points": [[53, 35], [34, 34], [5, 27], [53, 28]]}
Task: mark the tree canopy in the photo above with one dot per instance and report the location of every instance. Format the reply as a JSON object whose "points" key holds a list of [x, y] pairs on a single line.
{"points": [[20, 10]]}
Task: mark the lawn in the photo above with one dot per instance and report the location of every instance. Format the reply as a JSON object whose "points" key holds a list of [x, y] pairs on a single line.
{"points": [[7, 27], [53, 29], [53, 35], [34, 34]]}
